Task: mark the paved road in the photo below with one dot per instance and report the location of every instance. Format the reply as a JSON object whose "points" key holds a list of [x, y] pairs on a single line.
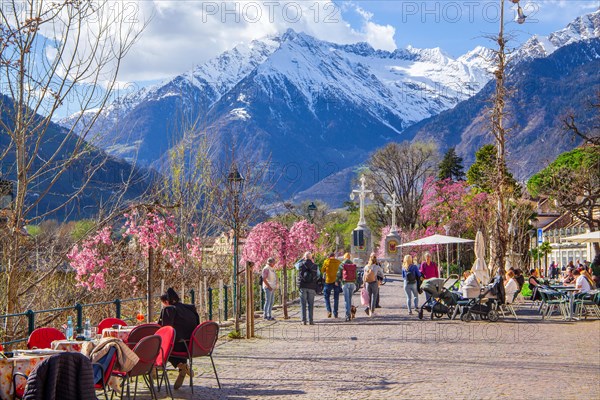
{"points": [[396, 356]]}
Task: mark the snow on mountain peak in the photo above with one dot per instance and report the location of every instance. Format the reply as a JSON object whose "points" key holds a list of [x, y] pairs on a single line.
{"points": [[582, 28]]}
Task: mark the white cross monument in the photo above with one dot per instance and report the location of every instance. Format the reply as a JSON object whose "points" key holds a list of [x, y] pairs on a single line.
{"points": [[362, 242], [393, 239]]}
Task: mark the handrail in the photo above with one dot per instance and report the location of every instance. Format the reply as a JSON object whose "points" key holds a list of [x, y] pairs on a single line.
{"points": [[30, 314]]}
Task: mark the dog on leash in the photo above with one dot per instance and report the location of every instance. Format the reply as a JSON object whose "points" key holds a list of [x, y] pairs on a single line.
{"points": [[352, 312]]}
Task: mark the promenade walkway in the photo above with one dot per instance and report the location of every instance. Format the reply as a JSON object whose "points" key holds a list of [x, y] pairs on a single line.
{"points": [[394, 355]]}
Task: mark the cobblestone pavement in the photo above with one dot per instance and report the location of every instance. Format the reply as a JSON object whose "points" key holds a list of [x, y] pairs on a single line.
{"points": [[394, 355]]}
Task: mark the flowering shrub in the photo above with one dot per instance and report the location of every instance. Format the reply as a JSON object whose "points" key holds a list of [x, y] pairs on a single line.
{"points": [[272, 239], [99, 257], [91, 259]]}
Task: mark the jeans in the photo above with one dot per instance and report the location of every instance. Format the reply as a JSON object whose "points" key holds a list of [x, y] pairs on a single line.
{"points": [[373, 290], [268, 306], [411, 291], [348, 289], [336, 297], [307, 298]]}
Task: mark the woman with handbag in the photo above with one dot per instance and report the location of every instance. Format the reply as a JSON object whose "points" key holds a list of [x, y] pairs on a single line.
{"points": [[372, 270]]}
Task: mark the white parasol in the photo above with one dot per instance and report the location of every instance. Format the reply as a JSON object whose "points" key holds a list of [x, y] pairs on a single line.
{"points": [[479, 268], [436, 240], [590, 237]]}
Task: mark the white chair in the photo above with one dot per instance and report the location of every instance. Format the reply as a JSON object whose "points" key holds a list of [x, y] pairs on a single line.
{"points": [[508, 306]]}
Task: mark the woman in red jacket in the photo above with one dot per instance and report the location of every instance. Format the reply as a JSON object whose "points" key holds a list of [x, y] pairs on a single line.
{"points": [[429, 269]]}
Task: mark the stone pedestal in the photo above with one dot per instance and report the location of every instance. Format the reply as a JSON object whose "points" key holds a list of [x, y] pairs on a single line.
{"points": [[393, 252], [362, 245]]}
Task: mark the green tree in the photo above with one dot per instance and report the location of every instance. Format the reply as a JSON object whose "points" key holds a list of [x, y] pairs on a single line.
{"points": [[351, 206], [573, 181], [481, 175], [451, 166]]}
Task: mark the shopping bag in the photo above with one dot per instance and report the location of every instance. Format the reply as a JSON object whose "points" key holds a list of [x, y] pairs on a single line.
{"points": [[364, 297]]}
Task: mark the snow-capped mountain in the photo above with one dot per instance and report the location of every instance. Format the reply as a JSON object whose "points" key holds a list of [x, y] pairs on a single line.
{"points": [[313, 106], [396, 88], [582, 28]]}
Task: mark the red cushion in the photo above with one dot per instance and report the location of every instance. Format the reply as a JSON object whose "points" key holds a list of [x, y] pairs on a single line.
{"points": [[167, 334], [108, 322], [42, 338], [179, 354]]}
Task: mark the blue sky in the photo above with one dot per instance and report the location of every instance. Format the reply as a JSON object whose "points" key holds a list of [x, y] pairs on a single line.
{"points": [[459, 26], [183, 34]]}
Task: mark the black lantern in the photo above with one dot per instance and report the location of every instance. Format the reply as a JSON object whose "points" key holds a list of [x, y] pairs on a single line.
{"points": [[236, 180], [311, 210]]}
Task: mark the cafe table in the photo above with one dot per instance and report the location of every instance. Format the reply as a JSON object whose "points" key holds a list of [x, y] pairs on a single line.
{"points": [[24, 363], [122, 332], [570, 291], [67, 345]]}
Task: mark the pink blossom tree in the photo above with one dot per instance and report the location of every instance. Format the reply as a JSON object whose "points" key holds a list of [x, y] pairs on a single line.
{"points": [[103, 263], [273, 239], [444, 203]]}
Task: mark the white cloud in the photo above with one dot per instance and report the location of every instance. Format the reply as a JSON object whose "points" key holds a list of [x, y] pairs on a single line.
{"points": [[182, 34], [380, 36]]}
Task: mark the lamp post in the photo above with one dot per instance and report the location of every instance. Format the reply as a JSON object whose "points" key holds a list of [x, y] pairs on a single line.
{"points": [[311, 210], [499, 133], [236, 185], [447, 229]]}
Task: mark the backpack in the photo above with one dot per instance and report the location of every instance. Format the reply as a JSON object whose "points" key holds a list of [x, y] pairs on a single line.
{"points": [[307, 275], [411, 277], [370, 276], [349, 272]]}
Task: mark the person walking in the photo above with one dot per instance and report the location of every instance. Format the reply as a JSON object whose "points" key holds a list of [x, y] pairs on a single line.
{"points": [[308, 274], [346, 277], [330, 269], [429, 269], [371, 271], [410, 274], [269, 285]]}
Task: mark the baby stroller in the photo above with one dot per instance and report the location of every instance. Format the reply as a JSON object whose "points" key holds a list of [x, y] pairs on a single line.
{"points": [[486, 304], [442, 300]]}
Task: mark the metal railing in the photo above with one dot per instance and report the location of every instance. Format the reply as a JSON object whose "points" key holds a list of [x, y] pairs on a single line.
{"points": [[213, 295]]}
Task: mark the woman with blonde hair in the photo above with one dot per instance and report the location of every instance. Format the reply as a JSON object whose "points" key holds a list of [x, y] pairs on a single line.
{"points": [[410, 274], [510, 287]]}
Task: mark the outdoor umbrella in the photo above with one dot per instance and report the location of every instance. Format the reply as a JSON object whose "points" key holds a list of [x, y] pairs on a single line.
{"points": [[436, 240], [590, 237], [479, 268]]}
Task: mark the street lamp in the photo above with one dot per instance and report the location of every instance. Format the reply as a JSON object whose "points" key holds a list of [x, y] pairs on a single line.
{"points": [[236, 185], [311, 210], [447, 229], [500, 237]]}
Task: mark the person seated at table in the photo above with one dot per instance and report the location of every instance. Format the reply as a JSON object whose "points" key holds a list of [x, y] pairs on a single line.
{"points": [[588, 277], [534, 285], [519, 278], [570, 278], [581, 282], [510, 287], [184, 319]]}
